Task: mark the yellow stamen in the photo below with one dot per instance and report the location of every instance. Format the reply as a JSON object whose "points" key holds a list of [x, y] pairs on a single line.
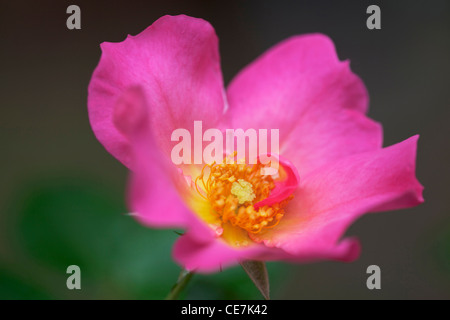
{"points": [[233, 188]]}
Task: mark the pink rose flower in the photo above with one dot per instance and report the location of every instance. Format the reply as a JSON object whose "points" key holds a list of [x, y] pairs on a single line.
{"points": [[333, 168]]}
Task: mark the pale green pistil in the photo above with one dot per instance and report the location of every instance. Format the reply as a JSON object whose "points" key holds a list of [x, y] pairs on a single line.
{"points": [[243, 190]]}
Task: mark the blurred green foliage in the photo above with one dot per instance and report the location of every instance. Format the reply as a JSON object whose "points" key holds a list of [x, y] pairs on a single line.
{"points": [[441, 250], [62, 222]]}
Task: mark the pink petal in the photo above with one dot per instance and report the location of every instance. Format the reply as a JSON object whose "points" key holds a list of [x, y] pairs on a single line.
{"points": [[346, 250], [334, 196], [283, 188], [156, 186], [176, 61], [301, 88], [320, 141], [213, 255]]}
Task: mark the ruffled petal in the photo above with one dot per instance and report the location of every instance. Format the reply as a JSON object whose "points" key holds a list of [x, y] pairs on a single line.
{"points": [[211, 256], [346, 250], [301, 88], [285, 186], [176, 62], [320, 141], [334, 196], [156, 187]]}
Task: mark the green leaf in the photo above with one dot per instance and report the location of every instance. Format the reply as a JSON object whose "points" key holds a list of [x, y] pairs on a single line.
{"points": [[67, 222], [13, 287], [257, 272]]}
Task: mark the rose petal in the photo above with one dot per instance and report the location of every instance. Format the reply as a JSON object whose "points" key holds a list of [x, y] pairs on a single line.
{"points": [[334, 196], [301, 88], [157, 187], [176, 62], [213, 255], [284, 187]]}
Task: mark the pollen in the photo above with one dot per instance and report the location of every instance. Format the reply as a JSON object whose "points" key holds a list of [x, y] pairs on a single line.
{"points": [[243, 190], [232, 189]]}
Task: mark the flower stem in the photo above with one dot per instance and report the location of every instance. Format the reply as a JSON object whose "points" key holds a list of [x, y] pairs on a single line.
{"points": [[182, 281]]}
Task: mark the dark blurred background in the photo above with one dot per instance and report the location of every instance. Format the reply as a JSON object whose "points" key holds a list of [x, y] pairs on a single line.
{"points": [[62, 194]]}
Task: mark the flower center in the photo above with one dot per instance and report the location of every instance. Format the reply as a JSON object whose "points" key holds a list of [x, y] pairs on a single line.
{"points": [[232, 189], [243, 190]]}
